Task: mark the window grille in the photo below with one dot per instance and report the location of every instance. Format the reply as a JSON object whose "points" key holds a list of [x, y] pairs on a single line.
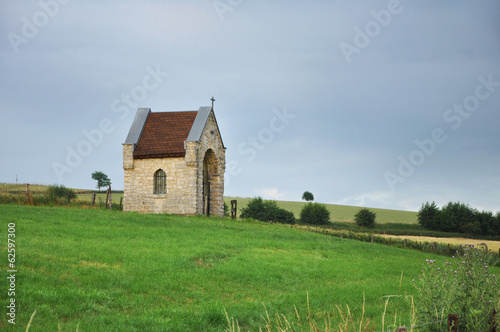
{"points": [[160, 180]]}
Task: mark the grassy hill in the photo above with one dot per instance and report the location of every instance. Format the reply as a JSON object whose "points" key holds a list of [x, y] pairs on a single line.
{"points": [[113, 271], [341, 212]]}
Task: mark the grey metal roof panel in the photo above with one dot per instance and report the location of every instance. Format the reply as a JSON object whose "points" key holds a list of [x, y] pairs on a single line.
{"points": [[199, 124], [137, 126]]}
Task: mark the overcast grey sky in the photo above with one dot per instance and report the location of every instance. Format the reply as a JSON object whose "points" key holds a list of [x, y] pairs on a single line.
{"points": [[372, 103]]}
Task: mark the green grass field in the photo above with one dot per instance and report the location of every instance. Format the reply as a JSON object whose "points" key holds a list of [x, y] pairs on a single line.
{"points": [[114, 271]]}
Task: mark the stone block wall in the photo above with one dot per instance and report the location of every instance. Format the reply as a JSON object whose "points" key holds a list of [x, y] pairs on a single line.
{"points": [[181, 187]]}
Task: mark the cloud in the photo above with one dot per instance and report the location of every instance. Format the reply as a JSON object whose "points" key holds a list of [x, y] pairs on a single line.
{"points": [[269, 193], [370, 199]]}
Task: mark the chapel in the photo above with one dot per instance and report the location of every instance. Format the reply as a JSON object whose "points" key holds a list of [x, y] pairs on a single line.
{"points": [[174, 163]]}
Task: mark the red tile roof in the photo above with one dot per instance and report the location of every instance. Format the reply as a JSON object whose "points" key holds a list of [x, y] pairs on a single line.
{"points": [[164, 134]]}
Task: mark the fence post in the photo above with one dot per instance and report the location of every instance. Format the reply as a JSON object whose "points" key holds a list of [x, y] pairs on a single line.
{"points": [[121, 203], [372, 238], [406, 242], [28, 194], [92, 202], [107, 198], [110, 203], [234, 207], [434, 247], [452, 323]]}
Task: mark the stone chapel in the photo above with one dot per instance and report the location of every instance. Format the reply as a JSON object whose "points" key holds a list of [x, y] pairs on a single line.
{"points": [[174, 163]]}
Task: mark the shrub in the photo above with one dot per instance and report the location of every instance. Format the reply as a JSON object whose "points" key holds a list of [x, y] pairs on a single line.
{"points": [[462, 286], [255, 209], [226, 210], [315, 214], [55, 192], [262, 210], [282, 216], [365, 218]]}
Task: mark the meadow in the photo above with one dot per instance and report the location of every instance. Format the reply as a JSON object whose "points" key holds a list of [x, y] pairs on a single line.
{"points": [[98, 270]]}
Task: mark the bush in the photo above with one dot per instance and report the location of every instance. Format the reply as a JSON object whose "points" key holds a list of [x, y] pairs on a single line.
{"points": [[365, 218], [262, 210], [462, 286], [315, 214], [282, 216], [56, 192]]}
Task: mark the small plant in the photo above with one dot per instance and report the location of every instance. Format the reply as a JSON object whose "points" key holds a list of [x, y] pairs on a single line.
{"points": [[462, 286], [365, 218], [315, 214], [226, 210], [307, 196]]}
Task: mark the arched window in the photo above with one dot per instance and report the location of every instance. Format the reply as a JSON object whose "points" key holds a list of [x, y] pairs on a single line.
{"points": [[160, 180]]}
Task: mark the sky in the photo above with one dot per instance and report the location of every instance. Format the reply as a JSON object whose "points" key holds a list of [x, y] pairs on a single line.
{"points": [[385, 104]]}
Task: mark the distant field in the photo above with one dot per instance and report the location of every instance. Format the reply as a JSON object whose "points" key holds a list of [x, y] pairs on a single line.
{"points": [[492, 245], [341, 212]]}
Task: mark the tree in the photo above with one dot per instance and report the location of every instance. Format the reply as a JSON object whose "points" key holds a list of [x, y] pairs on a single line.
{"points": [[307, 196], [102, 180], [428, 214]]}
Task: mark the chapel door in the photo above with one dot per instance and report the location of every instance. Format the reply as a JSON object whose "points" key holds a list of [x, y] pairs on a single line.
{"points": [[206, 188]]}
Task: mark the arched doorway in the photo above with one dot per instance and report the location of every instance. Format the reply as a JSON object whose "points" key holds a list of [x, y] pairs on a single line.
{"points": [[209, 175]]}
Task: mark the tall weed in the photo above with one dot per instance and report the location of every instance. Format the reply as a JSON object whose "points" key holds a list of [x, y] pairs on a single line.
{"points": [[462, 286]]}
